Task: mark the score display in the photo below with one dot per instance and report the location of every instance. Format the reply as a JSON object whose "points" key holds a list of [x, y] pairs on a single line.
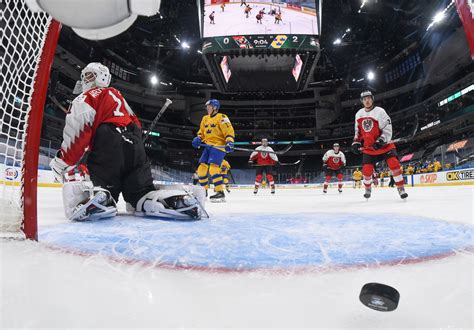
{"points": [[280, 41]]}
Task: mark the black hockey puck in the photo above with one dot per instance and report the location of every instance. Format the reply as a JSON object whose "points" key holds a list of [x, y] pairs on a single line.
{"points": [[380, 297]]}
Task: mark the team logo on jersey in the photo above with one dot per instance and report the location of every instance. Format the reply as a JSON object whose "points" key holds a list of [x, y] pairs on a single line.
{"points": [[225, 120], [264, 154], [336, 160], [367, 124]]}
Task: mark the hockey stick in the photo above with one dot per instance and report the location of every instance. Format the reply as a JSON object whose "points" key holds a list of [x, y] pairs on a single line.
{"points": [[155, 120], [279, 164], [281, 152], [400, 140], [231, 176]]}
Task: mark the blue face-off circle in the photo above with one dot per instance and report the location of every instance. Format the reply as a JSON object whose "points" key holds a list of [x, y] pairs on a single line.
{"points": [[264, 241]]}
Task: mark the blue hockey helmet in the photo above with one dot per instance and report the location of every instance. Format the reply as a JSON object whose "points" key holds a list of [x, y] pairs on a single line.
{"points": [[214, 103]]}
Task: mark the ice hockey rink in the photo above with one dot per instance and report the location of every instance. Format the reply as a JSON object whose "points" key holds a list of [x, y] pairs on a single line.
{"points": [[292, 260], [233, 21]]}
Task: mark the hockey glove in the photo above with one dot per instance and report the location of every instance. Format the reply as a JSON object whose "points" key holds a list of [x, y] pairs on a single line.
{"points": [[229, 146], [325, 167], [356, 147], [59, 168], [197, 142], [378, 144]]}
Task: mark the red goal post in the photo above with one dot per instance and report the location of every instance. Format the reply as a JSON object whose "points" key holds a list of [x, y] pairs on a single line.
{"points": [[27, 45]]}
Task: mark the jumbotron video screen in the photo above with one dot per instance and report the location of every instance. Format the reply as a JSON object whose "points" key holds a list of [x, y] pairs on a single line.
{"points": [[237, 31], [237, 17]]}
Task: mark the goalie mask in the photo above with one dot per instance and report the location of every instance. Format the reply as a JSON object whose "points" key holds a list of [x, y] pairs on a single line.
{"points": [[95, 75]]}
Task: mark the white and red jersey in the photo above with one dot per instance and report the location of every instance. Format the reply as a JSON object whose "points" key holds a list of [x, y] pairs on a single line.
{"points": [[333, 160], [371, 125], [88, 111], [262, 157]]}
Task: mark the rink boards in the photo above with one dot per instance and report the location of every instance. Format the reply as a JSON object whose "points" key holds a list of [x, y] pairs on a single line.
{"points": [[10, 175]]}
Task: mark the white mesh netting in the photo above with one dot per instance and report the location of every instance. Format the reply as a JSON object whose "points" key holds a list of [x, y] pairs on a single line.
{"points": [[22, 36]]}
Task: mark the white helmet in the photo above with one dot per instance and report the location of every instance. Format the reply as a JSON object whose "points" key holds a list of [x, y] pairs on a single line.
{"points": [[366, 93], [95, 75]]}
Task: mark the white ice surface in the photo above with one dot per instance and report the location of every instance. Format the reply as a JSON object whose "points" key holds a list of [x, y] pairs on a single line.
{"points": [[233, 22], [51, 289]]}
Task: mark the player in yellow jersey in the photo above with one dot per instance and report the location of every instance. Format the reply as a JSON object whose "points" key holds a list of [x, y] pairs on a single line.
{"points": [[225, 168], [357, 176], [216, 135]]}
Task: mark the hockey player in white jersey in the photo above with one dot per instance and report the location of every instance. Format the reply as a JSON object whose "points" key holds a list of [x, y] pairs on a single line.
{"points": [[333, 162], [373, 127], [264, 162]]}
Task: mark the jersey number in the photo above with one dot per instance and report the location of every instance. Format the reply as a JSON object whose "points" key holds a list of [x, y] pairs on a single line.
{"points": [[117, 112]]}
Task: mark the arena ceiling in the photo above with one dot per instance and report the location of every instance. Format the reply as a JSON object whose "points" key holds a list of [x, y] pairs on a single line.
{"points": [[370, 37]]}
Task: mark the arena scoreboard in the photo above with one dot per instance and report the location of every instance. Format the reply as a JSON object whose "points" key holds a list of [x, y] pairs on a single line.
{"points": [[266, 45], [274, 42]]}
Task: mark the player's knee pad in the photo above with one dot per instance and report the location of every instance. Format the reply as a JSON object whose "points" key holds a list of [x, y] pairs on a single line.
{"points": [[328, 178], [340, 177], [83, 201], [270, 178], [258, 178], [393, 164], [202, 170], [367, 170], [214, 169], [171, 203]]}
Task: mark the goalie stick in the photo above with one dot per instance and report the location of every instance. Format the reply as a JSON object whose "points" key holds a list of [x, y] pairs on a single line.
{"points": [[155, 120]]}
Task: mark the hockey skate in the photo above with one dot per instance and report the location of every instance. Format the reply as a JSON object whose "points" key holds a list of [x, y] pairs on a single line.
{"points": [[272, 189], [402, 192], [218, 197], [255, 191], [325, 190], [340, 190], [368, 192], [227, 188]]}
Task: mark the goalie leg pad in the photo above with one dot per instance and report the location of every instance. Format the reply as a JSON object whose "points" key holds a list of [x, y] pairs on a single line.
{"points": [[175, 204], [82, 201]]}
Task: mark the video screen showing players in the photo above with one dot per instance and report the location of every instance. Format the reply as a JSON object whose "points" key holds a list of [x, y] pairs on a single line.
{"points": [[237, 17]]}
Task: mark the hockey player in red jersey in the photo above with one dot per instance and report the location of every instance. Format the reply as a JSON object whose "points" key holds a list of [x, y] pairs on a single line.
{"points": [[102, 122], [374, 127], [265, 162], [333, 162]]}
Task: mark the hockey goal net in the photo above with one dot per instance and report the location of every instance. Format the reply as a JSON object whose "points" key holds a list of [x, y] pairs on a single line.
{"points": [[28, 41]]}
